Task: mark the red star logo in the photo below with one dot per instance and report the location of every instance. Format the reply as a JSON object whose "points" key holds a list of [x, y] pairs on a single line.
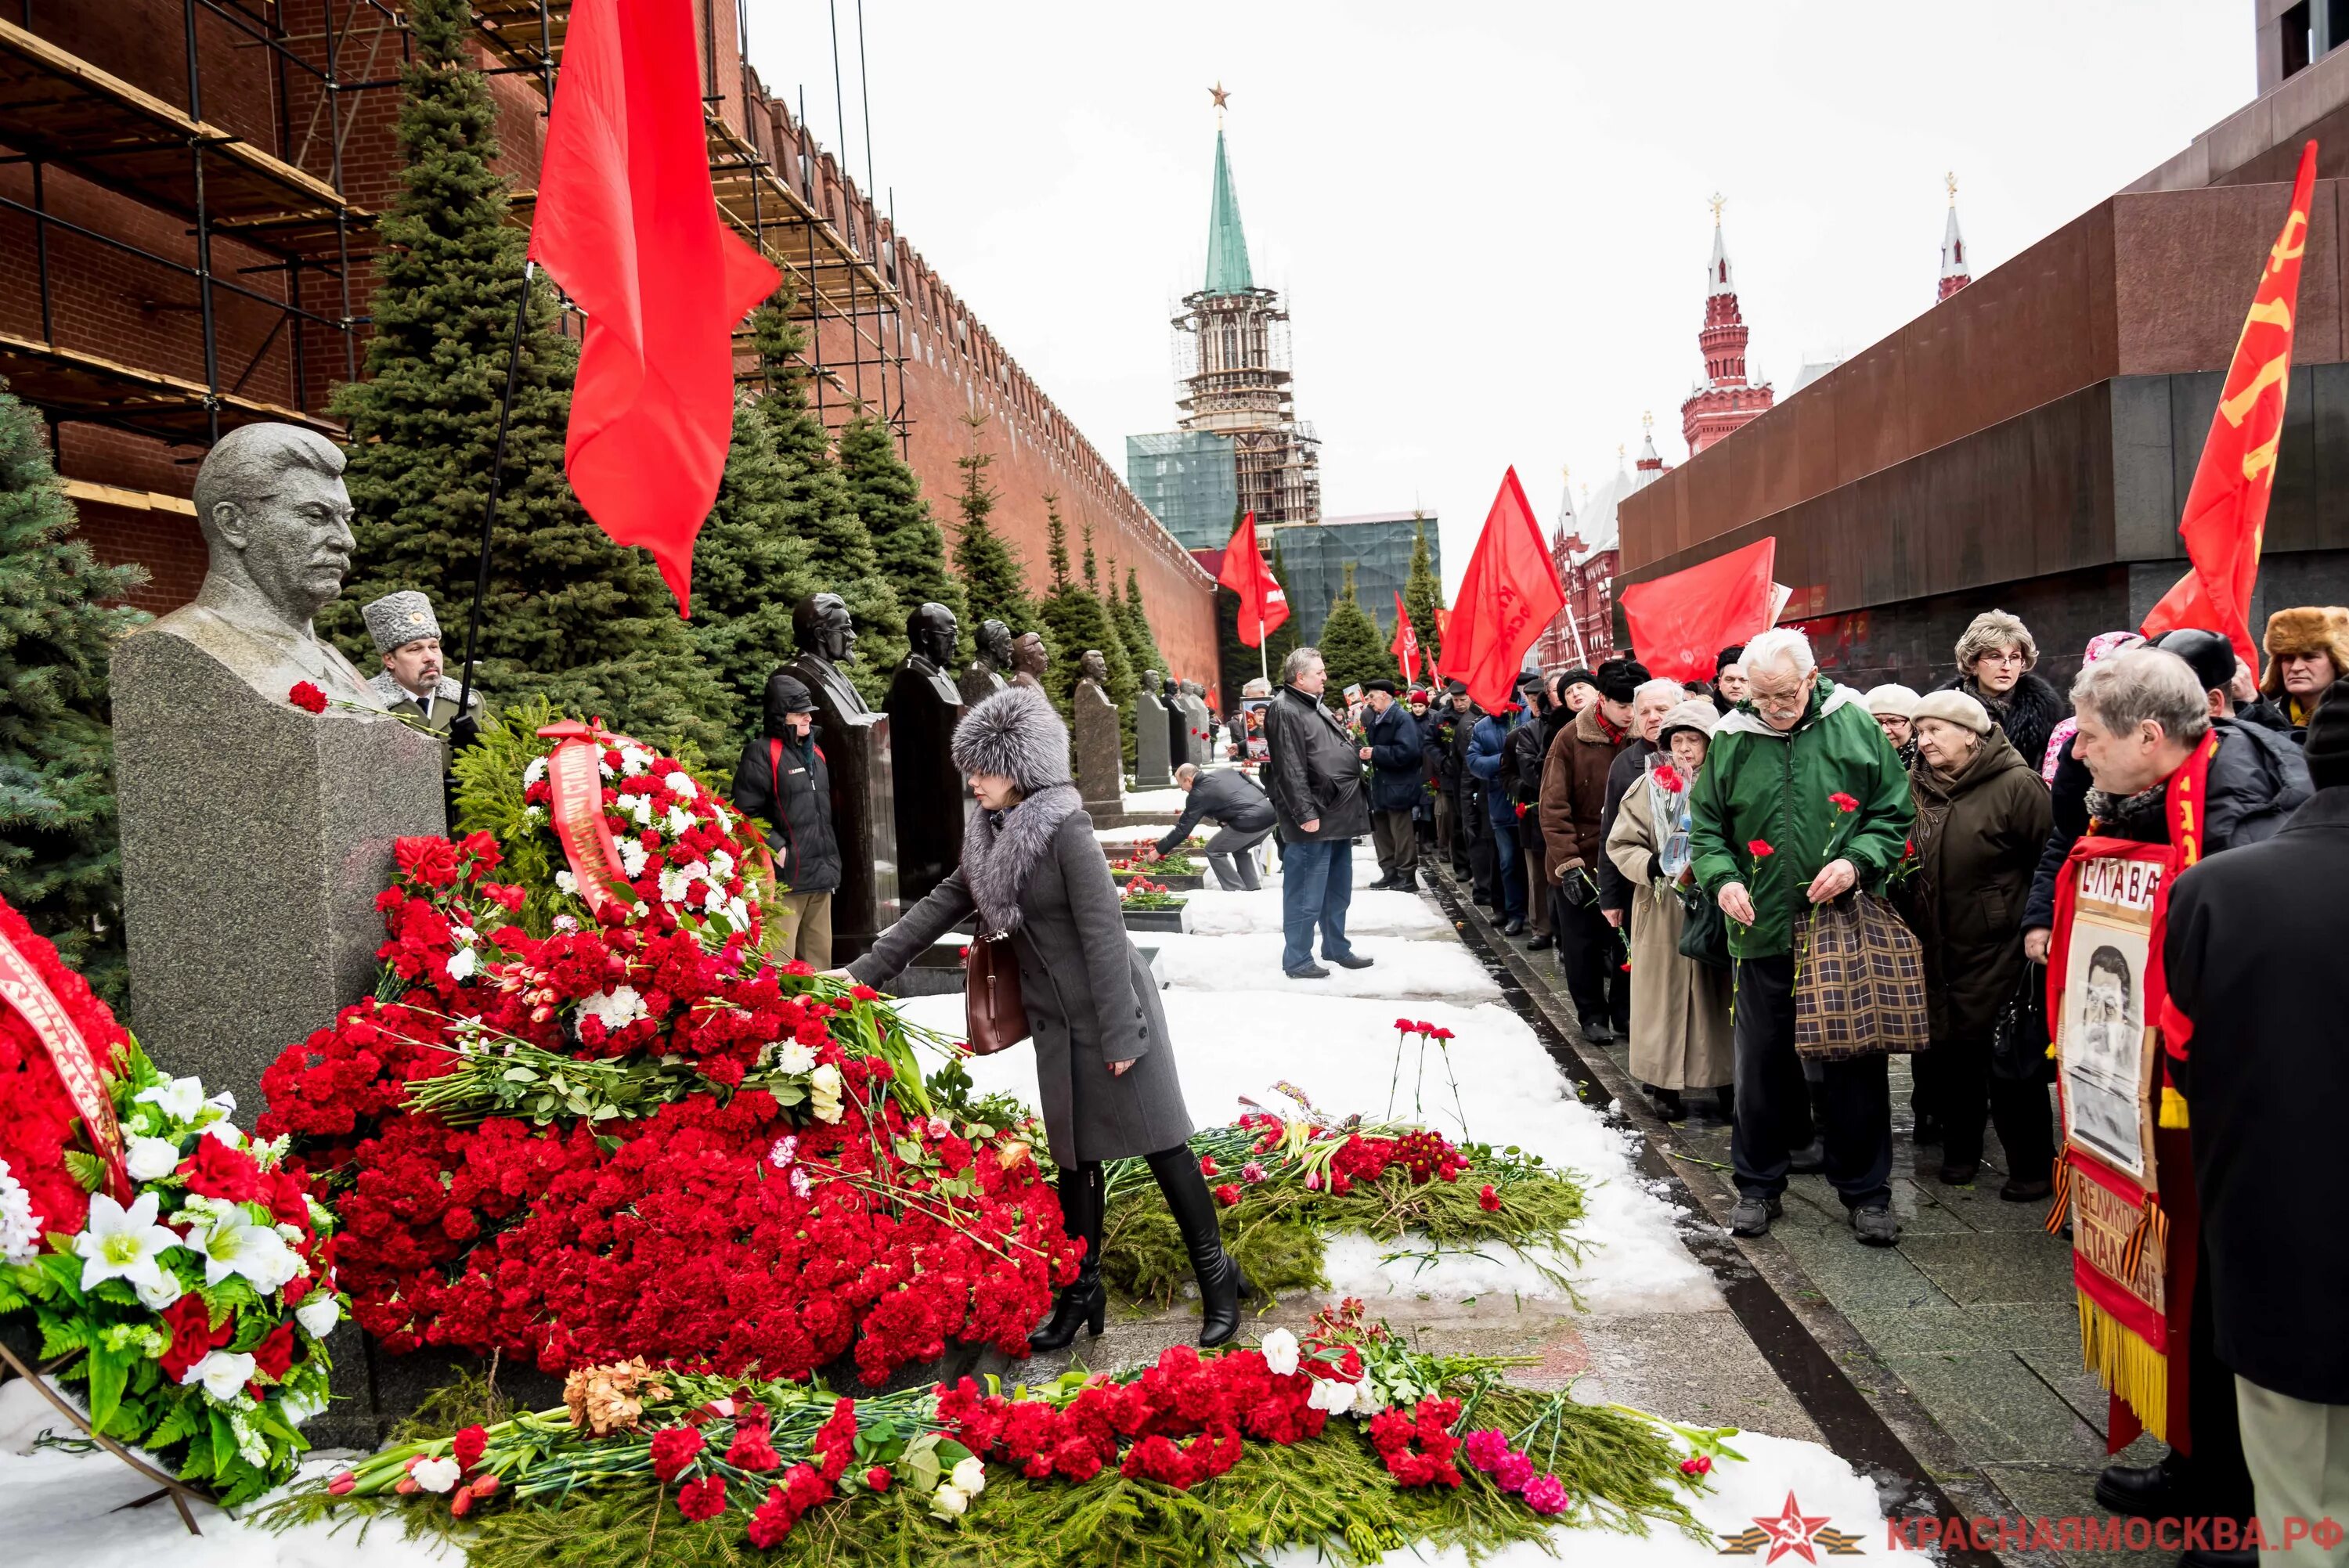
{"points": [[1791, 1531]]}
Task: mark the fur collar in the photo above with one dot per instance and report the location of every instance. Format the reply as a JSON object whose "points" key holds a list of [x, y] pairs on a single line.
{"points": [[1742, 720], [1000, 850], [393, 693]]}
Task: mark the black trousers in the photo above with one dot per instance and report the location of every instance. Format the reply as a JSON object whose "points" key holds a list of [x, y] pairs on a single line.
{"points": [[1855, 1097], [1957, 1085], [1592, 953], [1482, 863]]}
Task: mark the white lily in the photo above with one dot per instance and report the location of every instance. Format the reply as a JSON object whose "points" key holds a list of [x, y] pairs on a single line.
{"points": [[182, 1099], [124, 1244], [232, 1244]]}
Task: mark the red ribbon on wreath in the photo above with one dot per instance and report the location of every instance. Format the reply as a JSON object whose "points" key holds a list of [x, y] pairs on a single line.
{"points": [[22, 987], [575, 776]]}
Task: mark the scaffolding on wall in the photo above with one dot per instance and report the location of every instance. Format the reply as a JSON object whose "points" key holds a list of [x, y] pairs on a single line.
{"points": [[288, 202]]}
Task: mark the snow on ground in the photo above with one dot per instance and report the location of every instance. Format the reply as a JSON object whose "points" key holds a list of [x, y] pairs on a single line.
{"points": [[1216, 914], [1139, 802], [1236, 1036]]}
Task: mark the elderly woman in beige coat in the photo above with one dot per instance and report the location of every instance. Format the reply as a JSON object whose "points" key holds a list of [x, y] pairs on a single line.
{"points": [[1679, 1007]]}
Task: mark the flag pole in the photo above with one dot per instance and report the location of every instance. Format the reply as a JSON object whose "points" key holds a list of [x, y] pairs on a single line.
{"points": [[490, 508]]}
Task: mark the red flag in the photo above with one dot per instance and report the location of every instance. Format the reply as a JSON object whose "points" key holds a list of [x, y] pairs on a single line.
{"points": [[1507, 595], [1263, 605], [1680, 623], [627, 224], [2227, 508], [1405, 647]]}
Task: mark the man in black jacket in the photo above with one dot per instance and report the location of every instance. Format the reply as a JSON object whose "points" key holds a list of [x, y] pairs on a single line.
{"points": [[1229, 798], [2252, 940], [1397, 765], [1314, 776], [782, 781]]}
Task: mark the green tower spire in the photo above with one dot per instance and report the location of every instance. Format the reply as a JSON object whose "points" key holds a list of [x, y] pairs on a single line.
{"points": [[1228, 257]]}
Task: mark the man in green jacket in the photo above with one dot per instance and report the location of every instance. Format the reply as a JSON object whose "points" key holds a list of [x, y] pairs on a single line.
{"points": [[1800, 798]]}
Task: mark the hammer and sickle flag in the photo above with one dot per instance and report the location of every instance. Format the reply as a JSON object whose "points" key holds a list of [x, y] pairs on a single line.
{"points": [[2227, 508]]}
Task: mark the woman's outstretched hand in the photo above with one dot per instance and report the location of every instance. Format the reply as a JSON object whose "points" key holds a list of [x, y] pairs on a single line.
{"points": [[1117, 1069], [835, 975]]}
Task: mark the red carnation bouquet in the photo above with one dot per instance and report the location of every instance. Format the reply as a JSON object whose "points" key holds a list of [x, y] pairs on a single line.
{"points": [[635, 1136], [193, 1304]]}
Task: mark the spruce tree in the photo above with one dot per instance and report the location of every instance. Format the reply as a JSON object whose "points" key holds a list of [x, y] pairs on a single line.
{"points": [[749, 570], [1352, 647], [1133, 629], [993, 581], [61, 861], [569, 615], [822, 511], [907, 540], [1422, 594], [1074, 622], [1125, 674]]}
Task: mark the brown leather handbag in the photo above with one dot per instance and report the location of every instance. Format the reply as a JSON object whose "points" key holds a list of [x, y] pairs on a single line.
{"points": [[994, 1016]]}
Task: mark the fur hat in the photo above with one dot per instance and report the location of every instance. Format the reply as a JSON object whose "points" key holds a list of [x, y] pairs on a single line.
{"points": [[2308, 629], [1015, 733], [398, 619], [1893, 700], [1697, 713], [1953, 707], [2328, 738]]}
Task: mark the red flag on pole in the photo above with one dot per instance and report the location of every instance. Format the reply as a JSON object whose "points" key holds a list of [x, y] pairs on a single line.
{"points": [[627, 224], [1507, 595], [1263, 605], [1680, 623], [2227, 508], [1405, 647]]}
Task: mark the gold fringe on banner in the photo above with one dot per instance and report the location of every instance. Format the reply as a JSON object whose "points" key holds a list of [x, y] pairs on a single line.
{"points": [[2127, 1366], [2061, 1208], [2173, 1108]]}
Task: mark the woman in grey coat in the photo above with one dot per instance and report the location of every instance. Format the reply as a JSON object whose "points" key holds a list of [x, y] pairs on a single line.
{"points": [[1106, 1070]]}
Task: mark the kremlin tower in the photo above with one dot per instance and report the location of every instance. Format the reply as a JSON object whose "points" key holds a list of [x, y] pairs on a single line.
{"points": [[1725, 400], [1956, 271]]}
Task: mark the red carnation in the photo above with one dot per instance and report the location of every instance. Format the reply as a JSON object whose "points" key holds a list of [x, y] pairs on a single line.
{"points": [[1488, 1201], [1758, 848], [1843, 802], [273, 1356], [773, 1519], [703, 1498], [193, 1334], [674, 1448], [1207, 1166], [1227, 1194], [877, 1478], [466, 1450], [752, 1450], [307, 698], [216, 1171]]}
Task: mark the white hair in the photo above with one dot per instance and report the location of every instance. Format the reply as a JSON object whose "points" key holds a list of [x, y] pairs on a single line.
{"points": [[1299, 661], [1662, 686], [1780, 645], [2127, 689], [1185, 774]]}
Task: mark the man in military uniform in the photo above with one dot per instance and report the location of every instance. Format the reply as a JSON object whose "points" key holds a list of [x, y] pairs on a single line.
{"points": [[412, 684]]}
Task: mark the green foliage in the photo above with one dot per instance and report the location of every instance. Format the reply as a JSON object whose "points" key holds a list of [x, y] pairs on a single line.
{"points": [[907, 540], [60, 862], [1075, 620], [750, 569], [992, 577], [1134, 630], [569, 615], [1125, 670], [1352, 646], [820, 510], [1422, 594]]}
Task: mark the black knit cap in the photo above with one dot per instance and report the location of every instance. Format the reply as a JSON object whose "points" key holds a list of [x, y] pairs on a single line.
{"points": [[1620, 679], [2210, 656], [2327, 749], [1727, 656], [1574, 677]]}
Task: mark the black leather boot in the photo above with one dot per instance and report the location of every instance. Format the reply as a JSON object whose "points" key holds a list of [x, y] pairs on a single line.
{"points": [[1221, 1283], [1086, 1301]]}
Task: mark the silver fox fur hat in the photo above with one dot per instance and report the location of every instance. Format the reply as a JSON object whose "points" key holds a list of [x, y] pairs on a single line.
{"points": [[1014, 732]]}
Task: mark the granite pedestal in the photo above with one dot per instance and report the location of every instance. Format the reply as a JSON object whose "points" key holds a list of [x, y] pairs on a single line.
{"points": [[856, 748], [1153, 769], [1100, 753], [924, 705], [255, 838]]}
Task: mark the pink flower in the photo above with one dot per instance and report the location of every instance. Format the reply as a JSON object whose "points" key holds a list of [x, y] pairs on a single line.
{"points": [[1251, 1172], [1696, 1464], [1546, 1494], [1489, 1201], [1487, 1447], [1759, 848], [1513, 1471], [1843, 802]]}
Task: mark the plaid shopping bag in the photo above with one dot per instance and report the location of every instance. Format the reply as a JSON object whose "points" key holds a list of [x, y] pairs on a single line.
{"points": [[1859, 980]]}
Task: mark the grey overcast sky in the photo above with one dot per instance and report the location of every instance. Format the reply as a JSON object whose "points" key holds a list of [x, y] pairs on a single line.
{"points": [[1490, 220]]}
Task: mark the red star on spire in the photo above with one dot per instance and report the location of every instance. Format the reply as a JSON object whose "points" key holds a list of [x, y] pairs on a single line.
{"points": [[1791, 1530]]}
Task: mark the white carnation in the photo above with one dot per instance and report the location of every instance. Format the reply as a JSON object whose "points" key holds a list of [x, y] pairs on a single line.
{"points": [[534, 772], [565, 882], [737, 915], [1331, 1396], [617, 1007], [1279, 1351], [714, 899], [795, 1058], [462, 963], [640, 807], [677, 820], [681, 783], [632, 858], [635, 759], [721, 865], [20, 1228], [436, 1475], [673, 883], [531, 816]]}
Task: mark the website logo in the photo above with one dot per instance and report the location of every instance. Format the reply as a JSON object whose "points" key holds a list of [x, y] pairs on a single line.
{"points": [[1790, 1532]]}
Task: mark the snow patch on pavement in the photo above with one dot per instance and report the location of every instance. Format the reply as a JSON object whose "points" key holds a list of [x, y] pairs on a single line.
{"points": [[1216, 914], [1399, 968]]}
